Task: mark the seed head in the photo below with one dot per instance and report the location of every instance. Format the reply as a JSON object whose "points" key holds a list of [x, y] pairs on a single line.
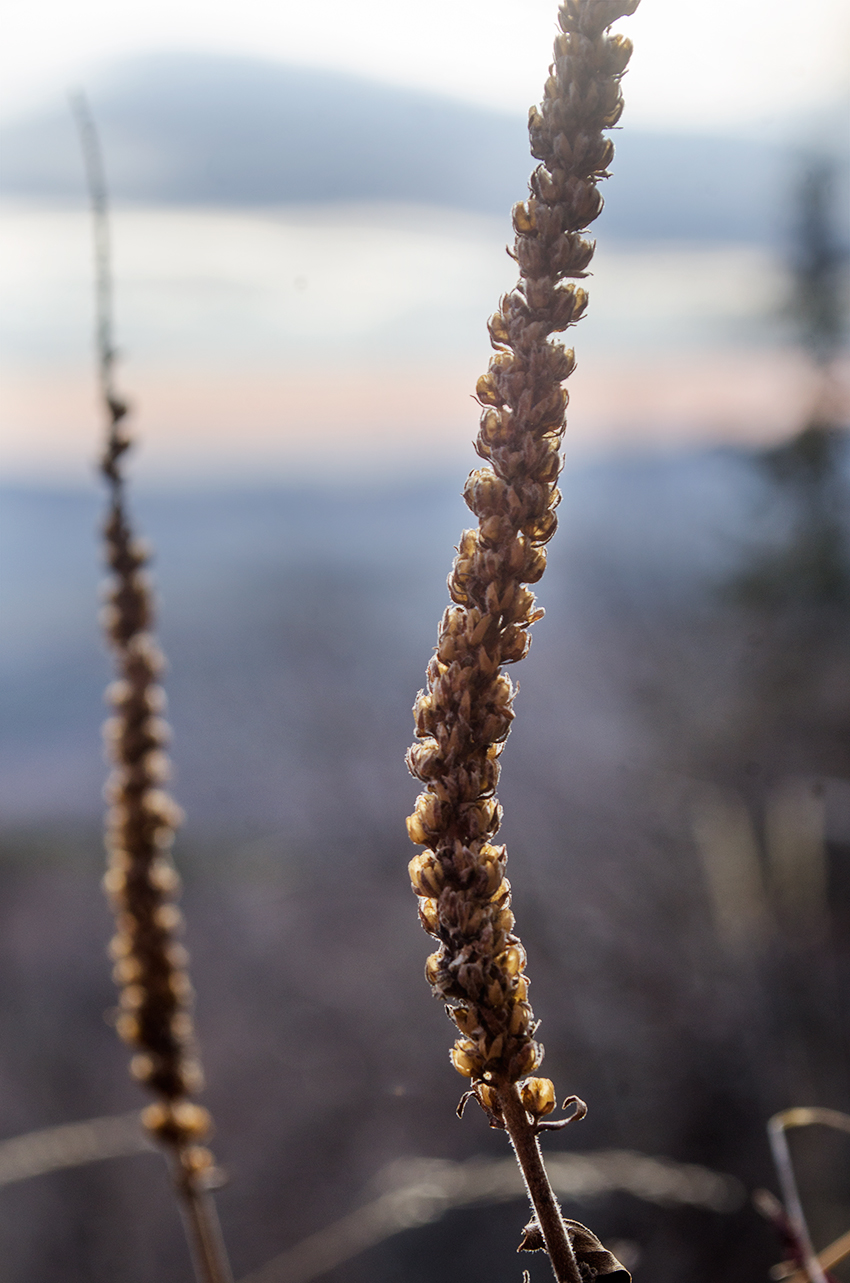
{"points": [[141, 881], [464, 715]]}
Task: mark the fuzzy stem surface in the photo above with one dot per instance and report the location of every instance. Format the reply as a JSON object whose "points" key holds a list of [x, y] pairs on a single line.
{"points": [[543, 1200]]}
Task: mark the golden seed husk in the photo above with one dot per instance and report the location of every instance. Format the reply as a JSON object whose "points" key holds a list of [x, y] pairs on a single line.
{"points": [[464, 714], [538, 1096]]}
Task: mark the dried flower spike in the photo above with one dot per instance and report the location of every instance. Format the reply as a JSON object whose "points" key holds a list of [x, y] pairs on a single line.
{"points": [[141, 881], [464, 715]]}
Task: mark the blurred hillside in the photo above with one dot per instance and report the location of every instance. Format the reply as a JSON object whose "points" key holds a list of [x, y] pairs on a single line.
{"points": [[198, 129], [658, 736], [303, 585]]}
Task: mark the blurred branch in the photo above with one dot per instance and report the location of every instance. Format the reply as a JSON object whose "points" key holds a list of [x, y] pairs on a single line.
{"points": [[421, 1191], [99, 203], [819, 262], [808, 564], [832, 1255], [728, 848], [72, 1145], [779, 1124], [805, 1116]]}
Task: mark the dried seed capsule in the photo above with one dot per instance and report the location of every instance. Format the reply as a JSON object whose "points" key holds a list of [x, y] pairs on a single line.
{"points": [[426, 874], [466, 711], [429, 915], [538, 1096]]}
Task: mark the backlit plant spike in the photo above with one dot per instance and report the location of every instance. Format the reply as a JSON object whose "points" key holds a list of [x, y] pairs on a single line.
{"points": [[464, 715], [141, 881], [150, 963]]}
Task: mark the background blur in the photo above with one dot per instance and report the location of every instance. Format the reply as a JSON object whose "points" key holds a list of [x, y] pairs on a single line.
{"points": [[311, 207]]}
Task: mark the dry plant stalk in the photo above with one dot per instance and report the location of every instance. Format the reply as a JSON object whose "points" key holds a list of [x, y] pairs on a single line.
{"points": [[141, 881], [789, 1219], [463, 717]]}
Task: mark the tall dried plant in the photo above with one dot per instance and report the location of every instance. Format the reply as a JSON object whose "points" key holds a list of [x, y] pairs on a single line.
{"points": [[464, 715], [141, 881]]}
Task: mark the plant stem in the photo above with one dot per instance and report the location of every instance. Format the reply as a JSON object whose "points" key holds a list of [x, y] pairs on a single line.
{"points": [[203, 1230], [776, 1129], [527, 1149]]}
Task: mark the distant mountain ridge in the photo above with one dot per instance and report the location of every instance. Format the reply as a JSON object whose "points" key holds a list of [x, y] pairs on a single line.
{"points": [[212, 130]]}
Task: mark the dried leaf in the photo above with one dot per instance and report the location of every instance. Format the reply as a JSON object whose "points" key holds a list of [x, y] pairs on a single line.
{"points": [[532, 1238], [594, 1260]]}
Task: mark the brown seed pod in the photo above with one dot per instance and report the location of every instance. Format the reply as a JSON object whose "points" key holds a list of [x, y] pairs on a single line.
{"points": [[464, 714]]}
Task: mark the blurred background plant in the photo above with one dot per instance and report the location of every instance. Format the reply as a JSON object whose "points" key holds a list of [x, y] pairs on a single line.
{"points": [[682, 744], [141, 882]]}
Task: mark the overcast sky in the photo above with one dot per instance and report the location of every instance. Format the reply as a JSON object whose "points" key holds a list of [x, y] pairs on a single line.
{"points": [[186, 286], [727, 63]]}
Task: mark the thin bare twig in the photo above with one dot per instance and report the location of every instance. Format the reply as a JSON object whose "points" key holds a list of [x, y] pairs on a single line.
{"points": [[201, 1223], [777, 1127], [830, 1256], [53, 1148], [99, 202]]}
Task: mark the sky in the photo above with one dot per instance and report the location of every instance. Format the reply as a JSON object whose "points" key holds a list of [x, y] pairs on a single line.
{"points": [[230, 354], [222, 316], [728, 64]]}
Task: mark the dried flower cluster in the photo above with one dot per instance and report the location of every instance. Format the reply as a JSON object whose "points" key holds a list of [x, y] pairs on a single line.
{"points": [[141, 882], [150, 963], [464, 716]]}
